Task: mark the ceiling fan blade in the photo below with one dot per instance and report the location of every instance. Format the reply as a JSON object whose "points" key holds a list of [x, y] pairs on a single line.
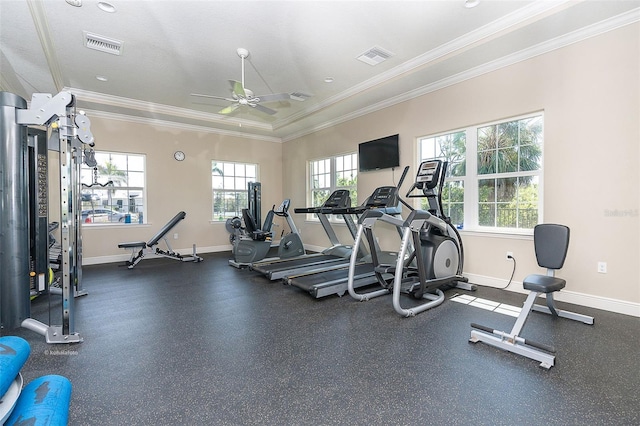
{"points": [[264, 109], [237, 88], [229, 109], [200, 95], [274, 97]]}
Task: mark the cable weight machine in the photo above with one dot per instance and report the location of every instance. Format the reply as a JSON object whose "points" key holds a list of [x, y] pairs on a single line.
{"points": [[24, 201]]}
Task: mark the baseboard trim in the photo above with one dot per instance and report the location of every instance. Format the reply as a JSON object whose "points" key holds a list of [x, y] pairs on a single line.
{"points": [[583, 299], [99, 260]]}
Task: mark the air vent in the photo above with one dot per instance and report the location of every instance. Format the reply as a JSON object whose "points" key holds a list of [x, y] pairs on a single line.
{"points": [[102, 43], [299, 96], [374, 56]]}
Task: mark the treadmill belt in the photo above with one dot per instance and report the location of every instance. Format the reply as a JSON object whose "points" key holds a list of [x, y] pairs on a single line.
{"points": [[295, 266], [334, 281]]}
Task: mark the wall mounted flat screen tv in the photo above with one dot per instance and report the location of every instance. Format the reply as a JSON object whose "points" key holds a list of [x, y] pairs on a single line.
{"points": [[379, 154]]}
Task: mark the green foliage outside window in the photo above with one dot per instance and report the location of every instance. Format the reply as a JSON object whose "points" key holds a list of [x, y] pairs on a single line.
{"points": [[509, 157], [229, 183], [511, 147]]}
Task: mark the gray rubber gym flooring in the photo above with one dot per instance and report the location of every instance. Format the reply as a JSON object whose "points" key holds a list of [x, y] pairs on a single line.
{"points": [[206, 344]]}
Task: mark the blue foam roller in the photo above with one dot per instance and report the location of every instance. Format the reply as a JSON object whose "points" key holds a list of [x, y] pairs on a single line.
{"points": [[14, 352], [43, 402]]}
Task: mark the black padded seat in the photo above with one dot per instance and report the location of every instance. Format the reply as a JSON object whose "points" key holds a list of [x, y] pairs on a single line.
{"points": [[551, 243], [543, 283], [133, 244], [252, 229]]}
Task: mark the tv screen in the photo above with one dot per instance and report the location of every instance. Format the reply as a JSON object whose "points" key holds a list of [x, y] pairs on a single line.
{"points": [[378, 154]]}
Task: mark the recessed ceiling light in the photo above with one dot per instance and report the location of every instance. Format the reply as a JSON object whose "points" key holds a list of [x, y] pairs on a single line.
{"points": [[101, 78], [76, 3], [328, 80], [106, 7], [469, 4]]}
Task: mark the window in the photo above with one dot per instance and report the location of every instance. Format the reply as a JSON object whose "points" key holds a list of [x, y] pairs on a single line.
{"points": [[229, 185], [330, 174], [452, 148], [122, 202], [493, 179]]}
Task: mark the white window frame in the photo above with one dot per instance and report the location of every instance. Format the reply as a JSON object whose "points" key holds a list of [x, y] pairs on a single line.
{"points": [[448, 178], [232, 184], [333, 174], [472, 178], [137, 213]]}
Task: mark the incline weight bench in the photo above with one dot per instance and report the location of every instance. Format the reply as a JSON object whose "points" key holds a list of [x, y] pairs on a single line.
{"points": [[140, 248]]}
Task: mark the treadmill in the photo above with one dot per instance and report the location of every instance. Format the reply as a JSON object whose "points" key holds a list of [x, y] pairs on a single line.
{"points": [[338, 255], [324, 283]]}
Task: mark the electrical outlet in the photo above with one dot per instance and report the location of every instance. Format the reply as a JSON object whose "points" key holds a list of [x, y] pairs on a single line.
{"points": [[175, 236], [509, 255], [602, 267]]}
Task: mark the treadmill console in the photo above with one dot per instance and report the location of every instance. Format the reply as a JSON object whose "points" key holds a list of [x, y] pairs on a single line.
{"points": [[383, 196], [338, 199]]}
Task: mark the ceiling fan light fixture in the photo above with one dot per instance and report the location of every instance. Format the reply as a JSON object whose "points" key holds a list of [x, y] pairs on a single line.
{"points": [[242, 97], [242, 52]]}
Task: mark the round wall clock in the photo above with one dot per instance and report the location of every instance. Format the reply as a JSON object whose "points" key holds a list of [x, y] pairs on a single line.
{"points": [[179, 155]]}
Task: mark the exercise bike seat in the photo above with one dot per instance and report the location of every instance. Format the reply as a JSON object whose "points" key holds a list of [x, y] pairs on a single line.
{"points": [[250, 224]]}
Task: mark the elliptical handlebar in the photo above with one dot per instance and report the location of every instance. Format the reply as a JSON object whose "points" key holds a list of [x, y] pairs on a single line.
{"points": [[404, 174]]}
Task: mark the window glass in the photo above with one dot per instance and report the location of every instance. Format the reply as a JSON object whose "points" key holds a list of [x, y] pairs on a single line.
{"points": [[450, 147], [123, 202], [330, 174], [229, 183], [502, 189]]}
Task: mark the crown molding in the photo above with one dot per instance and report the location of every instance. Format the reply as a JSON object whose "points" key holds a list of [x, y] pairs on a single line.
{"points": [[151, 107], [42, 28], [177, 125], [593, 30], [535, 11], [508, 23]]}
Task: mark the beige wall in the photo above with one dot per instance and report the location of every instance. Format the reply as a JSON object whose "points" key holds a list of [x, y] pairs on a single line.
{"points": [[589, 93], [173, 186]]}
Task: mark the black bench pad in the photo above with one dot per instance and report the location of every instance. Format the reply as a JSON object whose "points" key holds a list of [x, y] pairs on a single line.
{"points": [[133, 244]]}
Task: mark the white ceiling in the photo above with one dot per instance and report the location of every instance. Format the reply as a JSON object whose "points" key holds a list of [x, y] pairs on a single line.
{"points": [[172, 48]]}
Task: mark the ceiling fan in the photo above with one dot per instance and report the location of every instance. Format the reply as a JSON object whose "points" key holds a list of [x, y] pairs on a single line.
{"points": [[241, 96]]}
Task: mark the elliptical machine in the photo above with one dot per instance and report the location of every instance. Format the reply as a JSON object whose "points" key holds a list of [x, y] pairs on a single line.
{"points": [[431, 254], [251, 243]]}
